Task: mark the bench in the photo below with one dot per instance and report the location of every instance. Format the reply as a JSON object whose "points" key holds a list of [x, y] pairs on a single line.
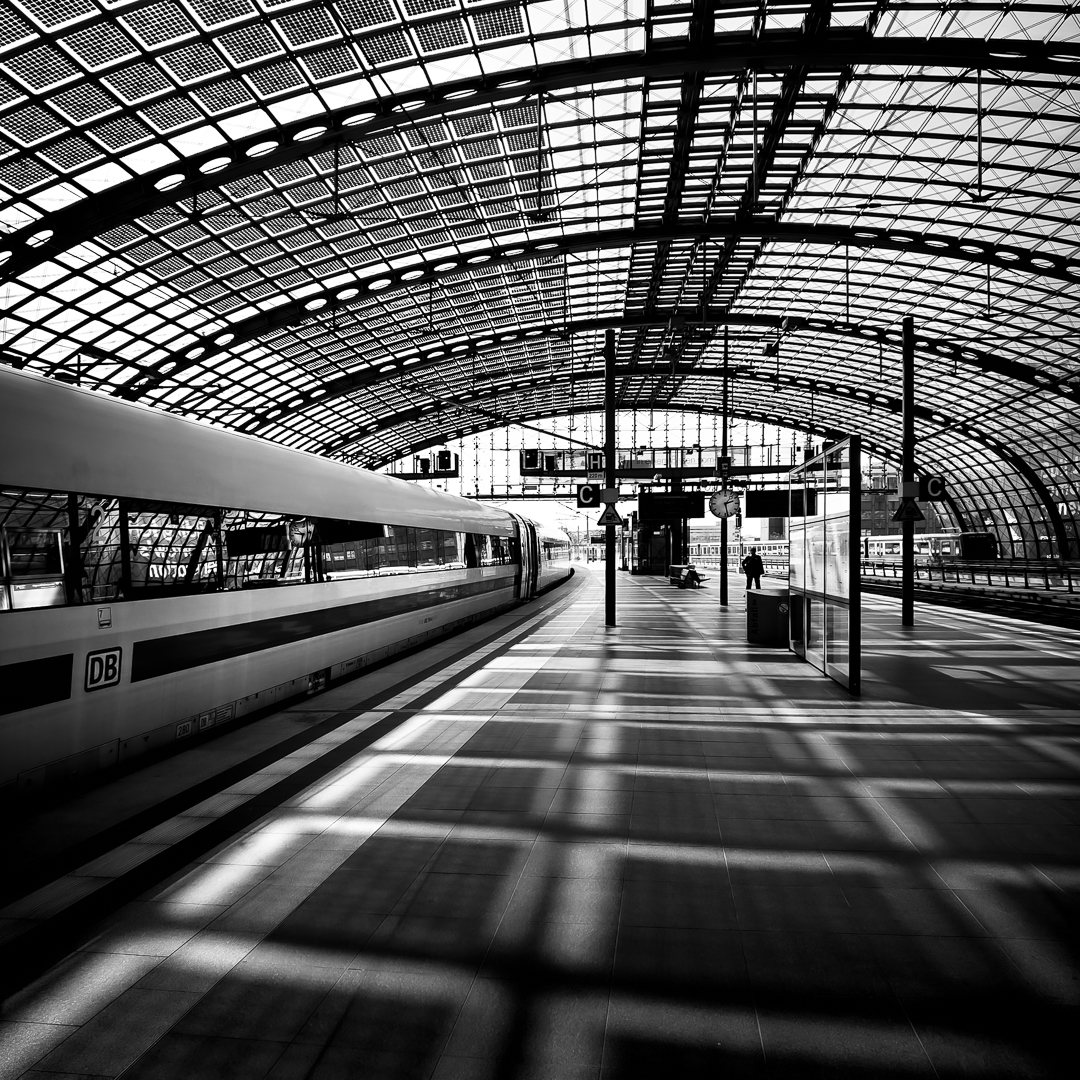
{"points": [[686, 577]]}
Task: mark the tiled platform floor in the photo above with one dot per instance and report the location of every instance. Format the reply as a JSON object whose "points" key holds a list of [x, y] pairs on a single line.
{"points": [[647, 851]]}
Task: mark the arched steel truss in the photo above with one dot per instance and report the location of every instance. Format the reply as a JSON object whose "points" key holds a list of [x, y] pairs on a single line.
{"points": [[771, 51], [381, 231]]}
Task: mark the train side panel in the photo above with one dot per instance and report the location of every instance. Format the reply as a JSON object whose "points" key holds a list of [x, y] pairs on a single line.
{"points": [[159, 577], [164, 670], [554, 554]]}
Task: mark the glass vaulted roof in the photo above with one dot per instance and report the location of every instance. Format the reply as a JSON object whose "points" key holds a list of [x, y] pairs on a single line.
{"points": [[359, 227]]}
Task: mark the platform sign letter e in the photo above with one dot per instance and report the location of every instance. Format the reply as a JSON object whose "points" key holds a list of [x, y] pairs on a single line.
{"points": [[103, 668]]}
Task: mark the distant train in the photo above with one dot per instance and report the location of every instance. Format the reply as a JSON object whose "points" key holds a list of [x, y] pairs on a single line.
{"points": [[931, 549], [159, 577], [706, 552]]}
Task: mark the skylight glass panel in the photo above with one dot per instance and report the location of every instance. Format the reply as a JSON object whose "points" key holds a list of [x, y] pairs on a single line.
{"points": [[899, 148]]}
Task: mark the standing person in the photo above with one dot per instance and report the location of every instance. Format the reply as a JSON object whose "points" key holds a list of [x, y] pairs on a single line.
{"points": [[752, 567]]}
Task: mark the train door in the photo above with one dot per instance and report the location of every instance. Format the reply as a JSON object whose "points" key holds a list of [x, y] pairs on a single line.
{"points": [[529, 568]]}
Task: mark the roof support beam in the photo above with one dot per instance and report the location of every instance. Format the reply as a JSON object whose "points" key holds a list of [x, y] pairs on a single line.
{"points": [[842, 395], [837, 392], [773, 50], [936, 347], [415, 276]]}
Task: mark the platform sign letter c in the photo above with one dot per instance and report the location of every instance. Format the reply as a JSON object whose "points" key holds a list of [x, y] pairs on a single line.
{"points": [[103, 668], [932, 488], [589, 494]]}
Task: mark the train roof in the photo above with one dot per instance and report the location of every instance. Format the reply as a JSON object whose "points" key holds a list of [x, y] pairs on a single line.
{"points": [[58, 437]]}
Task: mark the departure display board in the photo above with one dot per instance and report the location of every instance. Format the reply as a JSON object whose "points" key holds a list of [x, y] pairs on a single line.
{"points": [[665, 506]]}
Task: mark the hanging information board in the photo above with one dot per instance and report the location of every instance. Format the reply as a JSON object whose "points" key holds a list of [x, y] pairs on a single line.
{"points": [[667, 506]]}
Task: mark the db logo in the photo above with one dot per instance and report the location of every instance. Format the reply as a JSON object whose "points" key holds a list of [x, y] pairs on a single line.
{"points": [[103, 668]]}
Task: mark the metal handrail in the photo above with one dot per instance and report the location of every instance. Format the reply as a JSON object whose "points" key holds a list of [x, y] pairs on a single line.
{"points": [[1046, 575]]}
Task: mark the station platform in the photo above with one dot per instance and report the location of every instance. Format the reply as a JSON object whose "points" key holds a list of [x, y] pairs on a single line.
{"points": [[547, 848]]}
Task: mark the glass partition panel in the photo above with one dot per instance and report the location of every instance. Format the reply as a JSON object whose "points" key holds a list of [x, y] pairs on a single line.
{"points": [[824, 506], [796, 556], [838, 640]]}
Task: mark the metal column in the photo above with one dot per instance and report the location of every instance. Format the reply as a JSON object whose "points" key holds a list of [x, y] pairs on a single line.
{"points": [[723, 484], [907, 543], [609, 473]]}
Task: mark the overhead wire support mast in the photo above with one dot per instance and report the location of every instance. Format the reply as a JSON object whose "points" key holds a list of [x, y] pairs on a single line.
{"points": [[724, 406], [609, 473], [907, 542]]}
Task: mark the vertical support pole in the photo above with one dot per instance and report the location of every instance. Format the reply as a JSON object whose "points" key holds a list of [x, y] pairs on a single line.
{"points": [[907, 543], [854, 557], [219, 551], [125, 551], [609, 472], [724, 453], [679, 548], [73, 570]]}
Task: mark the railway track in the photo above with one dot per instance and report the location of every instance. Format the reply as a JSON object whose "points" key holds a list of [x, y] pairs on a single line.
{"points": [[1054, 608], [1034, 601]]}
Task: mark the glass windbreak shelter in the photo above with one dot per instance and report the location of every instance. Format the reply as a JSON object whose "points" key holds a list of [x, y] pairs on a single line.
{"points": [[824, 506]]}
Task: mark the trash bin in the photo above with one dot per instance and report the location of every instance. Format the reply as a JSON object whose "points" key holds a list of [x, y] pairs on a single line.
{"points": [[767, 616]]}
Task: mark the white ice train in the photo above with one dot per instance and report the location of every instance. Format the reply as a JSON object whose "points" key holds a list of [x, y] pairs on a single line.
{"points": [[159, 577]]}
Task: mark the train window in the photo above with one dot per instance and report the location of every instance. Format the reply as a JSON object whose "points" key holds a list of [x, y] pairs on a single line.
{"points": [[367, 554], [33, 538], [556, 551], [452, 546], [34, 553], [133, 549], [395, 549], [472, 550], [500, 550], [35, 569], [350, 559], [427, 547], [492, 550], [483, 549], [99, 549], [23, 509], [265, 549], [171, 549]]}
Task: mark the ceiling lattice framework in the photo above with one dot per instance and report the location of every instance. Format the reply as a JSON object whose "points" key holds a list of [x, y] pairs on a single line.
{"points": [[360, 227]]}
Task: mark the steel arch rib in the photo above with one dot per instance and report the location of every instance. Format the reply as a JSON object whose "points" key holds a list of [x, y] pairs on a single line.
{"points": [[774, 50], [839, 392], [342, 295], [842, 394], [959, 352]]}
